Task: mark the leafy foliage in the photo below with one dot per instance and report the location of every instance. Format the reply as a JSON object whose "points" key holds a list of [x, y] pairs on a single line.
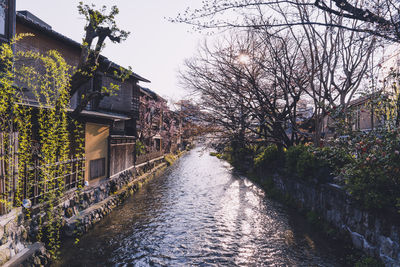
{"points": [[100, 25], [269, 159], [140, 148], [373, 175], [50, 85]]}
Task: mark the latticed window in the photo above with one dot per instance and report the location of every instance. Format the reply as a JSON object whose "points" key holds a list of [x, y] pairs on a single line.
{"points": [[135, 102]]}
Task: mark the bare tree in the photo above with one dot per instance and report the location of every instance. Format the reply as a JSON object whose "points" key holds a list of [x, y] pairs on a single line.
{"points": [[337, 62], [216, 76], [250, 88], [300, 63], [375, 17]]}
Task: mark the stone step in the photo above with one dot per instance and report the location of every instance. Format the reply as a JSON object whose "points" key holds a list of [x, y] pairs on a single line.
{"points": [[25, 254]]}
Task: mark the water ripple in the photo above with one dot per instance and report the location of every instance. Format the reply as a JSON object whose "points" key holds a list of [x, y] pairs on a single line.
{"points": [[199, 213]]}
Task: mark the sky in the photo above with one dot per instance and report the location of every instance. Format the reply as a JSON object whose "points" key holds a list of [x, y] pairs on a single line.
{"points": [[155, 49]]}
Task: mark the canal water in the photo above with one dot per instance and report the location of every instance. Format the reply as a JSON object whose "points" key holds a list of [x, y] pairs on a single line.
{"points": [[200, 213]]}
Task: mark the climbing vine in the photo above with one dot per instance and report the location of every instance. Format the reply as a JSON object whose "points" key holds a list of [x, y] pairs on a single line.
{"points": [[34, 102]]}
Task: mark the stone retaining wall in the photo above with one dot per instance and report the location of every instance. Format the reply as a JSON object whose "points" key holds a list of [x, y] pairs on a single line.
{"points": [[13, 235], [80, 211], [375, 234], [82, 221]]}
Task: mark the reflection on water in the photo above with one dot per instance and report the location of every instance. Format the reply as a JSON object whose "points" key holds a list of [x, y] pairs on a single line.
{"points": [[198, 213]]}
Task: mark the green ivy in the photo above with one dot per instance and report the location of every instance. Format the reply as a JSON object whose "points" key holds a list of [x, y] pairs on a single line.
{"points": [[50, 84]]}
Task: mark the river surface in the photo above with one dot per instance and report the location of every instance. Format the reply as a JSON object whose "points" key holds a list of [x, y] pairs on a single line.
{"points": [[200, 213]]}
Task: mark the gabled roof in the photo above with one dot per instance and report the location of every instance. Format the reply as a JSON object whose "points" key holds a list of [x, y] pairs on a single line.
{"points": [[148, 91], [151, 93], [28, 19]]}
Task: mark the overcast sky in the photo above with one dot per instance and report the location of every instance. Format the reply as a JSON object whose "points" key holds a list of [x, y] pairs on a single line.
{"points": [[155, 49]]}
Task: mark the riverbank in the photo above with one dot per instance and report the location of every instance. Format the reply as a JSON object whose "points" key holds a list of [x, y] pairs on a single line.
{"points": [[80, 211], [200, 212], [304, 177], [370, 239]]}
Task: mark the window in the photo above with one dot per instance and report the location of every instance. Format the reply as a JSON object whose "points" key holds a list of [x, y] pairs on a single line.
{"points": [[357, 119], [97, 168], [3, 17]]}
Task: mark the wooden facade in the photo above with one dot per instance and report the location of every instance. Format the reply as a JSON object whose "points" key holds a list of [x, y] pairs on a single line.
{"points": [[124, 101], [8, 171], [102, 116], [96, 150], [109, 123], [31, 185], [122, 153]]}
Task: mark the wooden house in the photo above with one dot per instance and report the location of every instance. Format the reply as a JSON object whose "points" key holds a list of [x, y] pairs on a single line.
{"points": [[150, 125], [109, 123], [360, 116]]}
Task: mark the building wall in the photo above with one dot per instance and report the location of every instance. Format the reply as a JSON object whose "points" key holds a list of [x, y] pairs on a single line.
{"points": [[121, 100], [125, 100], [364, 115], [361, 119], [43, 43], [96, 146]]}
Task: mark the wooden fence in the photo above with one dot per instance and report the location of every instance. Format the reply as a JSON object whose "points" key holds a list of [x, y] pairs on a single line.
{"points": [[32, 185], [149, 156], [70, 172], [122, 149], [8, 171]]}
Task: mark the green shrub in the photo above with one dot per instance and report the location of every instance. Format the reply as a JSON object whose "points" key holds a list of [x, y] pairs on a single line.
{"points": [[291, 157], [331, 160], [241, 158], [170, 159], [371, 185], [306, 166], [140, 148], [218, 155], [317, 164], [268, 159], [372, 177], [368, 262], [301, 162]]}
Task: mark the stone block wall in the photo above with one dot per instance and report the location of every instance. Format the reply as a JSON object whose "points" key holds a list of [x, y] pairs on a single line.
{"points": [[12, 235], [374, 233], [80, 211]]}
